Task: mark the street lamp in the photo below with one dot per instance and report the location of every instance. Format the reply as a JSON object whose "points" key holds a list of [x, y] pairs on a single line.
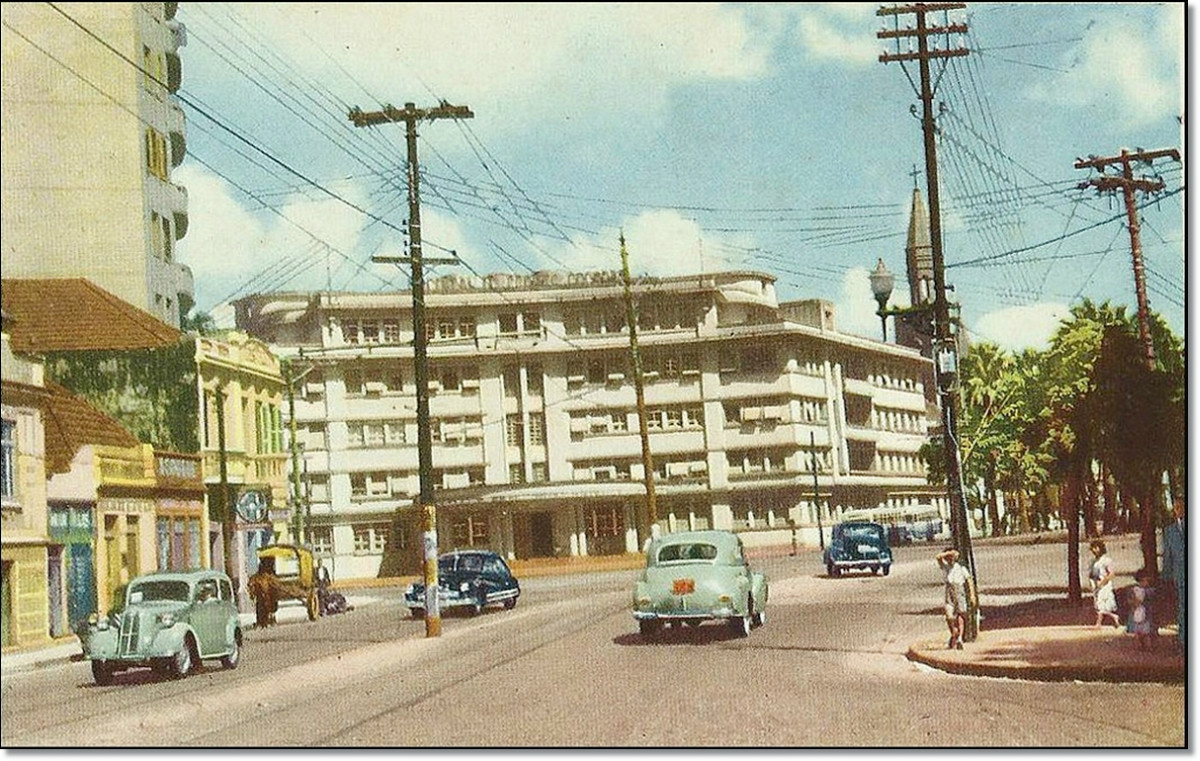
{"points": [[882, 283]]}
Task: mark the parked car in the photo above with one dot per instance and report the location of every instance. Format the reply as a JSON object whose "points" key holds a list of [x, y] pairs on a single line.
{"points": [[169, 622], [468, 579], [697, 576], [858, 546]]}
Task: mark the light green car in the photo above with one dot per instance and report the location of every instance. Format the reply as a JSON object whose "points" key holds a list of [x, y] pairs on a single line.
{"points": [[697, 576], [170, 622]]}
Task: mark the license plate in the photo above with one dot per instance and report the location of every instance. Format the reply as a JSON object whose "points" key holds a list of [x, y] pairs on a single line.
{"points": [[684, 586]]}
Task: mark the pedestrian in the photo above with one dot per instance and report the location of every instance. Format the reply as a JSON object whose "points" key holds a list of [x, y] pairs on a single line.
{"points": [[1104, 599], [959, 590], [1175, 566], [262, 587], [1141, 622]]}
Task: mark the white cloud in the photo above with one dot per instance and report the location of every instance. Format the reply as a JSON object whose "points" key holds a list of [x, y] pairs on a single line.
{"points": [[1023, 327], [835, 32], [517, 62], [660, 243], [1133, 74]]}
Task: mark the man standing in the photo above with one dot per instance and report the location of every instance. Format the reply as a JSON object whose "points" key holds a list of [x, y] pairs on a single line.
{"points": [[1175, 566], [959, 591]]}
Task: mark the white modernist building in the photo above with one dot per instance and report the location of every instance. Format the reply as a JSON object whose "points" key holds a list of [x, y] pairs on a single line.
{"points": [[762, 417]]}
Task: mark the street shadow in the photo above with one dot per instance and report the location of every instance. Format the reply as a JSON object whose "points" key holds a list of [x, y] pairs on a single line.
{"points": [[681, 636]]}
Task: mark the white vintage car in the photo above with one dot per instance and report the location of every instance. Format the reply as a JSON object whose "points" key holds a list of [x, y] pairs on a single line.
{"points": [[170, 622]]}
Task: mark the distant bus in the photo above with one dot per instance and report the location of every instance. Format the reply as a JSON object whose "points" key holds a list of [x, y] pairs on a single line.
{"points": [[905, 524]]}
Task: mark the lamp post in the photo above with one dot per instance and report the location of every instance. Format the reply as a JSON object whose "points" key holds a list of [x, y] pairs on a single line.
{"points": [[882, 283]]}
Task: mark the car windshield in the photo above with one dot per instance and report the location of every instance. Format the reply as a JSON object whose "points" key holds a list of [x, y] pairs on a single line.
{"points": [[450, 563], [150, 591], [687, 551], [864, 533]]}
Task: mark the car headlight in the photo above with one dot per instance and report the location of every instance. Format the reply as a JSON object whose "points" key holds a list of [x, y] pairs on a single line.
{"points": [[464, 587], [166, 619], [96, 621]]}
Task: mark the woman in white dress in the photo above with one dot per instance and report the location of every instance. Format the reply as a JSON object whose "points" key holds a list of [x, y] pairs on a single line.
{"points": [[1104, 599]]}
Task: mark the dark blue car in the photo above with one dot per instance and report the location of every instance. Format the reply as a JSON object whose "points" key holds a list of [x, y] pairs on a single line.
{"points": [[858, 546], [467, 579]]}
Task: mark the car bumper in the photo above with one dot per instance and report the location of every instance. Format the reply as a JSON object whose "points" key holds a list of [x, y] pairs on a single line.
{"points": [[685, 615], [868, 563]]}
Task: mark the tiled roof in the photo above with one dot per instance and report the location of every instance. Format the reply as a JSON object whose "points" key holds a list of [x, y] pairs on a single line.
{"points": [[74, 314], [70, 422]]}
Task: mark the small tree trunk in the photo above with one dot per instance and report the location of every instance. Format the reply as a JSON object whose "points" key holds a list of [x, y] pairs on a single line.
{"points": [[1070, 512], [1110, 501], [1150, 533]]}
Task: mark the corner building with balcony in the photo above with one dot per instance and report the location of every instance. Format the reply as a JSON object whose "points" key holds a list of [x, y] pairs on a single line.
{"points": [[759, 414], [91, 130]]}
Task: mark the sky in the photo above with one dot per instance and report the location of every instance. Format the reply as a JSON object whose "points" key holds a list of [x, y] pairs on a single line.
{"points": [[765, 137]]}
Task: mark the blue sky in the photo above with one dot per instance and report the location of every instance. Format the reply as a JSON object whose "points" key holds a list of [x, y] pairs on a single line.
{"points": [[755, 136]]}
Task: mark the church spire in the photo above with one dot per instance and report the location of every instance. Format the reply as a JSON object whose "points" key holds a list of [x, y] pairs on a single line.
{"points": [[919, 252]]}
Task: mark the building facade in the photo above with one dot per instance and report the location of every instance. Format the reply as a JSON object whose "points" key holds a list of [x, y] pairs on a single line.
{"points": [[24, 605], [762, 418], [91, 129]]}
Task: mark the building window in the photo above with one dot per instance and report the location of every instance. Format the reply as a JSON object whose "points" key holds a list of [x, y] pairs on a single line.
{"points": [[8, 460], [321, 539], [516, 473], [539, 472], [508, 323], [471, 531], [514, 430], [391, 331], [156, 154], [537, 429], [531, 322], [533, 379], [370, 537]]}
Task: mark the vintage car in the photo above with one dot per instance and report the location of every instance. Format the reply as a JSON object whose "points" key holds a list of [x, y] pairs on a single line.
{"points": [[170, 621], [858, 546], [697, 576], [467, 579]]}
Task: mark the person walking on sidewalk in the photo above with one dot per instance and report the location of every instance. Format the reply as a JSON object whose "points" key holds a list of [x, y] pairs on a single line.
{"points": [[958, 592], [1141, 622], [1104, 599], [1175, 566]]}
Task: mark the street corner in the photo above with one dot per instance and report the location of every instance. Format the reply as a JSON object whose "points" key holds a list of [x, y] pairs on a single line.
{"points": [[1055, 654]]}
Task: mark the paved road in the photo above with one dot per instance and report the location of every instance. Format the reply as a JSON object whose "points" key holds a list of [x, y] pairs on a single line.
{"points": [[566, 669]]}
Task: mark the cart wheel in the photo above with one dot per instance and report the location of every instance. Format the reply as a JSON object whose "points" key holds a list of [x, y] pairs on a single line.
{"points": [[313, 610]]}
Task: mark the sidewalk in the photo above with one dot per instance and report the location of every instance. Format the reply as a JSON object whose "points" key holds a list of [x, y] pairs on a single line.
{"points": [[1056, 653]]}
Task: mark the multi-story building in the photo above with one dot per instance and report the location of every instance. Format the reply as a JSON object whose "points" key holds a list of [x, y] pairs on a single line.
{"points": [[90, 130], [762, 417]]}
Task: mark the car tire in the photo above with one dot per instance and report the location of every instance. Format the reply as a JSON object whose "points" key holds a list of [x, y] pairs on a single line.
{"points": [[875, 570], [181, 662], [235, 653], [887, 569], [649, 629], [510, 603], [759, 618], [102, 673], [834, 571], [417, 612]]}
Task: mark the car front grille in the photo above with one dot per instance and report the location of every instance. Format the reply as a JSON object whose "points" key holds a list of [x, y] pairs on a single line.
{"points": [[127, 643]]}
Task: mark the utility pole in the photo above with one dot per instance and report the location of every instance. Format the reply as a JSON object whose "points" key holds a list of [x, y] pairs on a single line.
{"points": [[812, 446], [1129, 185], [945, 347], [298, 517], [410, 115], [647, 459], [226, 511]]}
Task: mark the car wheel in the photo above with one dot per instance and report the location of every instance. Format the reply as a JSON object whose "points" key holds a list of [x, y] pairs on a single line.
{"points": [[235, 653], [102, 672], [510, 603], [181, 663], [759, 618], [887, 569], [874, 569], [418, 612], [649, 629], [834, 571]]}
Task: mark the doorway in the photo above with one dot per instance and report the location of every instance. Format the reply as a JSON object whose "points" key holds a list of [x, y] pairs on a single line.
{"points": [[541, 535]]}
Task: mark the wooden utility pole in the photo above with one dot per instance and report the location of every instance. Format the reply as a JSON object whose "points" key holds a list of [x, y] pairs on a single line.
{"points": [[1128, 185], [410, 115], [227, 512], [639, 387], [945, 346]]}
